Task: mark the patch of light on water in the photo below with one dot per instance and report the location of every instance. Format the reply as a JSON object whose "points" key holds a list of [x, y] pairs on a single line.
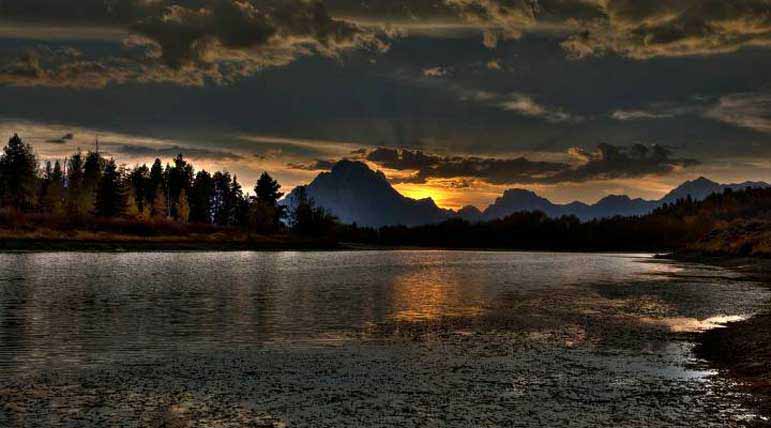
{"points": [[693, 325]]}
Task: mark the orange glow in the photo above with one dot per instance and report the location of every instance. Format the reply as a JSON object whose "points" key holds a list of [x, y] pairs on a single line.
{"points": [[422, 191]]}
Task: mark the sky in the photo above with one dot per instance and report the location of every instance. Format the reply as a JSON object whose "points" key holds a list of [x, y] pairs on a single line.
{"points": [[456, 100]]}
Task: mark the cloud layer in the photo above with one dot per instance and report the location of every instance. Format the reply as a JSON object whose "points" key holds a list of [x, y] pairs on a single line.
{"points": [[606, 162], [635, 28], [182, 41]]}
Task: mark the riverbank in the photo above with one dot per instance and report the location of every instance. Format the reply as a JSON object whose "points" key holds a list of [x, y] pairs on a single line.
{"points": [[94, 241]]}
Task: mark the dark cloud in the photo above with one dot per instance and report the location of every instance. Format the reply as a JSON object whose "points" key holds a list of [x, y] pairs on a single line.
{"points": [[606, 162], [317, 165], [634, 28], [497, 171], [182, 41], [171, 151], [611, 162]]}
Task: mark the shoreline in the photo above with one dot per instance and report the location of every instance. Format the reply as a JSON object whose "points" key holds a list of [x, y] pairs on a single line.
{"points": [[137, 244], [741, 350]]}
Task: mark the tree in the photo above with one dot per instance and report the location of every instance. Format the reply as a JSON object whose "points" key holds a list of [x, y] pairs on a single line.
{"points": [[160, 207], [201, 196], [139, 179], [222, 199], [183, 207], [93, 168], [52, 191], [132, 209], [110, 197], [179, 178], [267, 189], [157, 182], [76, 196], [18, 175], [265, 214], [308, 219], [240, 204]]}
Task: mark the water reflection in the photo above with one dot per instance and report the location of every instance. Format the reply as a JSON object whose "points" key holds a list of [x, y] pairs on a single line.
{"points": [[79, 309], [433, 293], [512, 339]]}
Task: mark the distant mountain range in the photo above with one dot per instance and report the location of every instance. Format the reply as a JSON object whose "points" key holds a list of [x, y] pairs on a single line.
{"points": [[356, 194]]}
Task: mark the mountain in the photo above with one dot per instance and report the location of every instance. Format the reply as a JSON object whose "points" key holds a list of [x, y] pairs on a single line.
{"points": [[470, 213], [515, 200], [518, 200], [700, 188], [355, 193]]}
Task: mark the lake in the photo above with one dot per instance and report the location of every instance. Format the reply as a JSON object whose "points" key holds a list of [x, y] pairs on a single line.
{"points": [[363, 339]]}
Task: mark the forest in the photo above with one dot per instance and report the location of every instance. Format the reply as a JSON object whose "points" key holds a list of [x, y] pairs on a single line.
{"points": [[88, 192]]}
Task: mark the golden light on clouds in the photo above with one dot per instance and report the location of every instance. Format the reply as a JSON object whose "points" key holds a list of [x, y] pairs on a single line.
{"points": [[441, 196]]}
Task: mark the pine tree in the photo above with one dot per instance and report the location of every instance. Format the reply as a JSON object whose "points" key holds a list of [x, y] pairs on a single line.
{"points": [[266, 191], [93, 169], [179, 178], [139, 180], [201, 198], [308, 219], [265, 215], [222, 200], [157, 182], [18, 175], [110, 200], [76, 196], [52, 194]]}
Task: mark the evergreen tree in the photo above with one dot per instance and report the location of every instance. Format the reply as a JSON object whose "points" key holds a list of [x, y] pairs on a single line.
{"points": [[201, 196], [225, 202], [265, 214], [93, 168], [308, 219], [18, 175], [52, 194], [157, 182], [139, 179], [110, 199], [77, 198], [45, 183], [266, 191], [240, 204], [179, 178]]}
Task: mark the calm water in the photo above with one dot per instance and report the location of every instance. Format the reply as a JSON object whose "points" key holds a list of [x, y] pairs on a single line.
{"points": [[429, 338]]}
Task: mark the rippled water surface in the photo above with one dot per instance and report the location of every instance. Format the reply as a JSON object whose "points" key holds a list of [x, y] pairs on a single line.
{"points": [[401, 338]]}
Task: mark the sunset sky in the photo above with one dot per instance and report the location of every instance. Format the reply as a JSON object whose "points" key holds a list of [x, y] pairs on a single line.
{"points": [[453, 99]]}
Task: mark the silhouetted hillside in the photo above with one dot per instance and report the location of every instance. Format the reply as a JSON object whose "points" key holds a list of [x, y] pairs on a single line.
{"points": [[354, 193]]}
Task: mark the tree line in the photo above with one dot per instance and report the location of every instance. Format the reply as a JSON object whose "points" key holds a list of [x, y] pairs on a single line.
{"points": [[89, 185], [672, 226]]}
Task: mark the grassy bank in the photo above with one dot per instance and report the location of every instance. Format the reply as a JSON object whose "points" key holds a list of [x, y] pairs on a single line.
{"points": [[85, 240]]}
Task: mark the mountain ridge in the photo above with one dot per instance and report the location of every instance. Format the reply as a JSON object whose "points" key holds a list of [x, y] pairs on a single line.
{"points": [[354, 193]]}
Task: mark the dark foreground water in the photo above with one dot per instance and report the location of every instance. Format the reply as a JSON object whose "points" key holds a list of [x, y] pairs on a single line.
{"points": [[362, 339]]}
